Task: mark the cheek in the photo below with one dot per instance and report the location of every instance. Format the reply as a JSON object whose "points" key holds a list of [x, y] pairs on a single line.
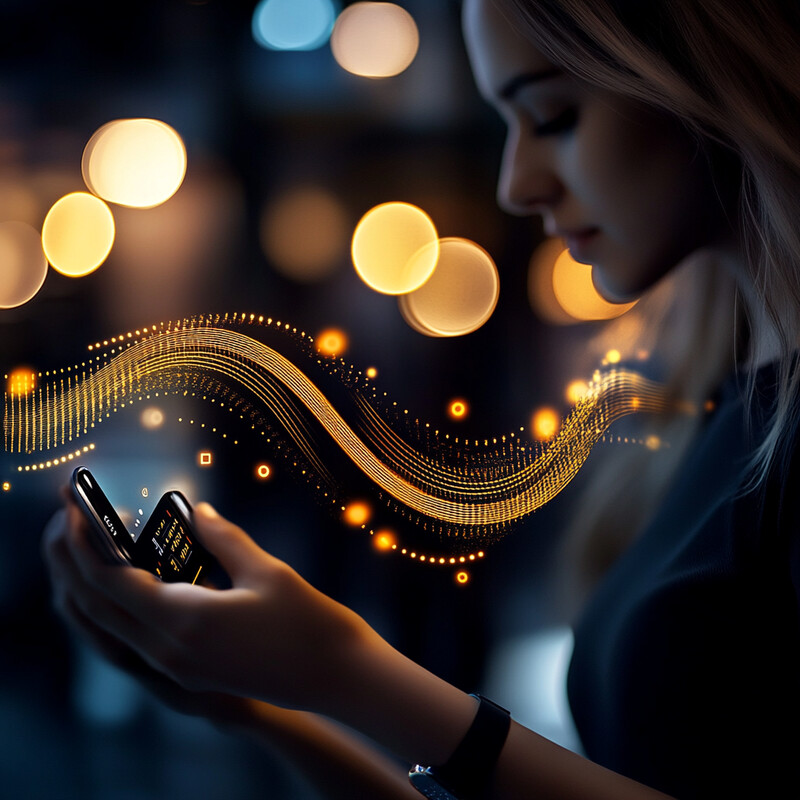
{"points": [[640, 178]]}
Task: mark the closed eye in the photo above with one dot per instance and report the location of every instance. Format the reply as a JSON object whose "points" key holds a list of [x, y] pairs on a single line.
{"points": [[563, 123]]}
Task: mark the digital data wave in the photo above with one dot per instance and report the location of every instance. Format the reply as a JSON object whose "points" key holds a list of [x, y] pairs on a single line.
{"points": [[470, 493]]}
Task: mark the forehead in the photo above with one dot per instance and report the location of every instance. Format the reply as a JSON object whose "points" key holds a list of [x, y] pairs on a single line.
{"points": [[498, 51]]}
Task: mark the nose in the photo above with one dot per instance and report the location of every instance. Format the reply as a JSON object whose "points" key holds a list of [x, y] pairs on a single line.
{"points": [[528, 184]]}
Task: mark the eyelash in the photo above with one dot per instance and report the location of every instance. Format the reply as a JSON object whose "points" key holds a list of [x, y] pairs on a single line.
{"points": [[562, 123]]}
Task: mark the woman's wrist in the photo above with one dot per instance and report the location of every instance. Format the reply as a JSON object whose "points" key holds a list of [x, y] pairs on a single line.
{"points": [[385, 695]]}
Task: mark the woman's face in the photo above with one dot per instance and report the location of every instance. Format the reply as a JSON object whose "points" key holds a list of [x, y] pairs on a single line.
{"points": [[624, 186]]}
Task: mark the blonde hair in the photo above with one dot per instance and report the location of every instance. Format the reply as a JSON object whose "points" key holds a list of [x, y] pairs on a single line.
{"points": [[730, 72]]}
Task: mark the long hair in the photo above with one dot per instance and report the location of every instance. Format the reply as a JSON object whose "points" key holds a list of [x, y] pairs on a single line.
{"points": [[729, 71]]}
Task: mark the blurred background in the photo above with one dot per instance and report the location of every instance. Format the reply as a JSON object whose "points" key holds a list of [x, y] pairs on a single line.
{"points": [[289, 141]]}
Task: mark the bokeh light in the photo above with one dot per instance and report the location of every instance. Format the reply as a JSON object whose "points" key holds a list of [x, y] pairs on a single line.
{"points": [[575, 292], [560, 289], [134, 162], [23, 265], [21, 381], [384, 540], [293, 24], [375, 40], [576, 391], [263, 471], [462, 577], [331, 342], [152, 418], [304, 233], [77, 234], [545, 424], [652, 442], [205, 458], [356, 513], [458, 409], [395, 248], [460, 295]]}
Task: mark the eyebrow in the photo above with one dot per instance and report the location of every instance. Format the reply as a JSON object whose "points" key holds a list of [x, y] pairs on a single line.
{"points": [[512, 86]]}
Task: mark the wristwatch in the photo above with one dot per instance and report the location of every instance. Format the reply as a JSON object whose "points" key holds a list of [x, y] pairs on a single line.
{"points": [[468, 772]]}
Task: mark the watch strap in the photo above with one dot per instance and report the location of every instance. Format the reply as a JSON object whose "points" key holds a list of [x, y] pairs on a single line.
{"points": [[468, 772]]}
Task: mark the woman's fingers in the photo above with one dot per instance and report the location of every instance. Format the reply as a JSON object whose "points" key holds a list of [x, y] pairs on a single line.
{"points": [[233, 548]]}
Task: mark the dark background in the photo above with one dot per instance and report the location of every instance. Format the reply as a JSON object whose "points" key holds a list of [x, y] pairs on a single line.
{"points": [[255, 123]]}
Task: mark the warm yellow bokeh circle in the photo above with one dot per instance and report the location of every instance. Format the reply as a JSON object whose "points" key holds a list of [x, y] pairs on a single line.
{"points": [[139, 163], [576, 294], [374, 40], [395, 248], [77, 234], [460, 295], [23, 266]]}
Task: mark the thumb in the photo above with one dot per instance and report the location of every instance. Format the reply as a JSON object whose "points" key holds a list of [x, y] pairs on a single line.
{"points": [[235, 551]]}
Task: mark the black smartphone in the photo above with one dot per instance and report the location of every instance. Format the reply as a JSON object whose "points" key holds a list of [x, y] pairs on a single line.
{"points": [[166, 546]]}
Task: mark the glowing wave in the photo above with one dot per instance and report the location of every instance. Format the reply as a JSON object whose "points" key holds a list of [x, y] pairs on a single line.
{"points": [[472, 492]]}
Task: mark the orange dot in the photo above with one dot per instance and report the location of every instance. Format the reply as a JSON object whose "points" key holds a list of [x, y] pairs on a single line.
{"points": [[545, 424], [384, 540], [356, 513], [331, 342], [462, 577], [458, 409], [263, 471]]}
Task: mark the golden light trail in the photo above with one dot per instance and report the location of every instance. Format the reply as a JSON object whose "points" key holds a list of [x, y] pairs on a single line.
{"points": [[470, 492]]}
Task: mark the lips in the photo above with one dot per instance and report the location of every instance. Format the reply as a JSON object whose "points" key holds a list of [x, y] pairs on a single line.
{"points": [[577, 239]]}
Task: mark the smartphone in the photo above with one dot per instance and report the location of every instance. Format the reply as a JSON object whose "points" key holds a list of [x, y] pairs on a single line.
{"points": [[166, 546]]}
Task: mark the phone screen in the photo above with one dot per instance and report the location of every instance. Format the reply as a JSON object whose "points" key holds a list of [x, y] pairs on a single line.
{"points": [[167, 545]]}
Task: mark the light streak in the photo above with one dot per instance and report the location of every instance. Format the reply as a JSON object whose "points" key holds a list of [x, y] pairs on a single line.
{"points": [[470, 492]]}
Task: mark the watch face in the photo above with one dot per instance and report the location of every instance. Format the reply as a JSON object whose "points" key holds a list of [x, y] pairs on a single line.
{"points": [[423, 781]]}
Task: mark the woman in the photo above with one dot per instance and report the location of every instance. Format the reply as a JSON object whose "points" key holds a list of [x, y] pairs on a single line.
{"points": [[658, 139]]}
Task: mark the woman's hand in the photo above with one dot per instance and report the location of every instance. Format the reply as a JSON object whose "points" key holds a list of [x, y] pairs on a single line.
{"points": [[270, 636]]}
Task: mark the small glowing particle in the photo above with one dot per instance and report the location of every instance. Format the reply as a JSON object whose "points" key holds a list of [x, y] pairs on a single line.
{"points": [[545, 424], [708, 405], [458, 409], [356, 513], [613, 356], [204, 458], [145, 491], [462, 577], [384, 540], [331, 342], [6, 486], [263, 471], [371, 372], [652, 442]]}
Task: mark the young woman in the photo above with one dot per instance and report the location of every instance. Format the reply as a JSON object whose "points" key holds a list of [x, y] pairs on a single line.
{"points": [[659, 140]]}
